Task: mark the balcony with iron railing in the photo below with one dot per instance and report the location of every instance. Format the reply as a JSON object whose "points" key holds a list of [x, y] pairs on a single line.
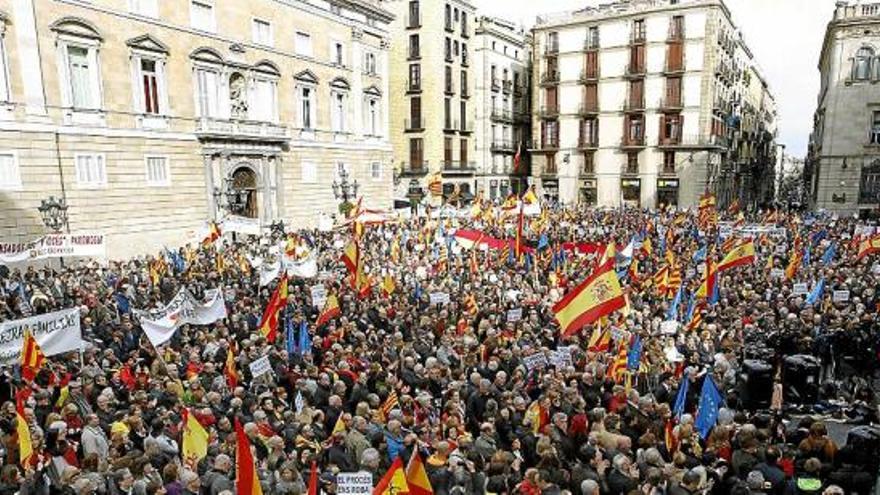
{"points": [[450, 125], [635, 71], [673, 66], [698, 142], [638, 36], [507, 87], [467, 127], [465, 93], [630, 142], [676, 34], [502, 146], [496, 84], [550, 169], [501, 115], [670, 103], [588, 108], [630, 168], [591, 44], [589, 168], [414, 124], [671, 140], [550, 78], [453, 167], [448, 26], [550, 142], [634, 104], [551, 48], [548, 111], [414, 168], [587, 142], [589, 75], [241, 129], [518, 90]]}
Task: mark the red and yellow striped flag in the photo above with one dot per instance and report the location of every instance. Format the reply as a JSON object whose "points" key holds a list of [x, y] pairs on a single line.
{"points": [[32, 357], [269, 322], [417, 477]]}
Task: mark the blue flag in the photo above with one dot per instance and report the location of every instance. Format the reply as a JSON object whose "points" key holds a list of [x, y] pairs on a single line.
{"points": [[828, 255], [528, 262], [816, 294], [305, 340], [122, 303], [681, 397], [806, 260], [707, 411], [818, 236], [418, 292], [543, 241], [289, 335], [692, 306], [634, 356], [510, 255], [672, 314]]}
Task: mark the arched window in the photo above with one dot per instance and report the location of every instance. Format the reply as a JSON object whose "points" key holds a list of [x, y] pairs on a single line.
{"points": [[862, 64]]}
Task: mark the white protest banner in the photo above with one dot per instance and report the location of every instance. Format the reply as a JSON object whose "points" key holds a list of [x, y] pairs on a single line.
{"points": [[319, 295], [241, 225], [269, 272], [359, 483], [514, 315], [561, 357], [777, 273], [306, 267], [56, 333], [160, 324], [840, 296], [54, 246], [260, 367], [669, 327], [800, 289], [438, 298], [781, 249], [535, 361]]}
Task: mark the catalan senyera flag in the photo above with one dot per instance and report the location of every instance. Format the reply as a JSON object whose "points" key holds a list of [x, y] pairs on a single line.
{"points": [[269, 322], [246, 480], [868, 246], [597, 296], [331, 310], [618, 365], [417, 477], [394, 481], [743, 254], [470, 305], [194, 446], [794, 263], [32, 357], [25, 445], [435, 185], [390, 403], [229, 369], [214, 233], [388, 285], [600, 340]]}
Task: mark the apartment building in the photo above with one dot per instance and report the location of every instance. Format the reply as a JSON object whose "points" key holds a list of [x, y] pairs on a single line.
{"points": [[151, 117], [636, 103], [432, 113], [502, 54], [842, 170]]}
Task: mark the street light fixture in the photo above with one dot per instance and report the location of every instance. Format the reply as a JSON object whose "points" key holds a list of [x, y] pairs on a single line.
{"points": [[345, 191], [236, 199], [54, 213], [415, 196]]}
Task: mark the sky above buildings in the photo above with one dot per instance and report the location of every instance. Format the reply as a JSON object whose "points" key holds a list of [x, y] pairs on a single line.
{"points": [[784, 35]]}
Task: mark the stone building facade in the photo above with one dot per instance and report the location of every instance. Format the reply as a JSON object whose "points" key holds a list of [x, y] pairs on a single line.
{"points": [[152, 117], [842, 170], [637, 103]]}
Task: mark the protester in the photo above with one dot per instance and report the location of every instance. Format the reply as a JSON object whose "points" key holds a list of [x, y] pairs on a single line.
{"points": [[411, 347]]}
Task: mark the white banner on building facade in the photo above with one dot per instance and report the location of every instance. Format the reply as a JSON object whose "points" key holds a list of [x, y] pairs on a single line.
{"points": [[160, 324], [54, 246], [56, 333]]}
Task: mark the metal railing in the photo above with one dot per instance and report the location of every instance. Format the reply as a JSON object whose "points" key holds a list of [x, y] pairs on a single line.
{"points": [[550, 77], [237, 127]]}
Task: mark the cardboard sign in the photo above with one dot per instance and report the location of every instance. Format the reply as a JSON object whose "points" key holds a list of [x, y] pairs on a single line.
{"points": [[319, 295], [260, 367], [561, 357], [840, 296], [535, 361], [777, 273], [514, 315], [360, 483], [438, 298], [801, 289], [669, 327]]}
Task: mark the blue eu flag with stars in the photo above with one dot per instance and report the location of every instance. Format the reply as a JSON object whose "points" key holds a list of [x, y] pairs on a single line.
{"points": [[707, 411], [681, 397]]}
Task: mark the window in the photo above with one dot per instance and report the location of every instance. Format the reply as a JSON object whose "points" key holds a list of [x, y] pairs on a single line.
{"points": [[875, 128], [337, 53], [869, 183], [463, 152], [338, 111], [149, 86], [306, 106], [4, 73], [632, 163], [447, 113], [464, 83], [415, 19], [669, 162], [415, 113], [263, 100], [157, 171], [414, 46], [82, 74], [448, 50], [464, 54], [415, 77], [370, 63], [303, 44], [148, 8], [676, 27], [202, 15], [448, 17], [263, 33], [10, 177], [416, 153], [464, 24], [462, 115], [208, 92], [90, 170], [376, 170], [593, 37], [309, 172], [448, 79], [638, 30], [371, 116], [862, 64]]}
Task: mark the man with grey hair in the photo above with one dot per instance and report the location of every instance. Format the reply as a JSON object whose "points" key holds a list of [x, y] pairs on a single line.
{"points": [[217, 479], [589, 487]]}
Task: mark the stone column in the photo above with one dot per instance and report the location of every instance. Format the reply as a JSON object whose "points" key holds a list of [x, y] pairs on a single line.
{"points": [[384, 75]]}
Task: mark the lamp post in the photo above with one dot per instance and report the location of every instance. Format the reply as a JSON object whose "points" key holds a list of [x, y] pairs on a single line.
{"points": [[53, 212], [235, 199], [345, 191], [415, 196]]}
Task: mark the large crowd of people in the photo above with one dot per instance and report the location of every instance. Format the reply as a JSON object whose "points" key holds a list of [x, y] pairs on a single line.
{"points": [[436, 359]]}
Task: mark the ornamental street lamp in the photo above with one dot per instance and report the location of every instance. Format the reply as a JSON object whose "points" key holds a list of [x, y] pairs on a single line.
{"points": [[235, 199], [54, 213], [415, 196], [345, 191]]}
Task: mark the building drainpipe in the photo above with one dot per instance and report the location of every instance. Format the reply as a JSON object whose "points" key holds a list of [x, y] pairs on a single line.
{"points": [[61, 175]]}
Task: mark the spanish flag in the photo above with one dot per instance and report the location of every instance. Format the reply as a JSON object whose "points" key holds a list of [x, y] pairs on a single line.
{"points": [[417, 477], [246, 480], [351, 256], [743, 254], [708, 289], [394, 481], [25, 446], [269, 322], [388, 285], [195, 439], [536, 416], [339, 427], [600, 294], [229, 369], [794, 262], [600, 340], [868, 246], [32, 357], [331, 310]]}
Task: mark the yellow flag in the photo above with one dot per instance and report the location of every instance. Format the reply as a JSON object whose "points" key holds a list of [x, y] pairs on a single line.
{"points": [[339, 426], [195, 439], [25, 447]]}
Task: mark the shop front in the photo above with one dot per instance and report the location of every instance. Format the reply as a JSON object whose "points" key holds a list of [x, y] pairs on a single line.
{"points": [[667, 193], [631, 192]]}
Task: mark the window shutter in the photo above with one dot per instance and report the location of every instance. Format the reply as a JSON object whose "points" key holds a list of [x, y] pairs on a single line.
{"points": [[663, 135]]}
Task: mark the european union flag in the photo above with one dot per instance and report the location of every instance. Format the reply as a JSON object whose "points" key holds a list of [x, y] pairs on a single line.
{"points": [[707, 411], [122, 303], [828, 255], [418, 292], [816, 294], [818, 236], [634, 356], [692, 305], [681, 397], [305, 340], [807, 257], [672, 314], [289, 335]]}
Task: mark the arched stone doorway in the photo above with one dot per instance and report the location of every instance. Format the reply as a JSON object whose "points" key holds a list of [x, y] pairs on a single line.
{"points": [[243, 182]]}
